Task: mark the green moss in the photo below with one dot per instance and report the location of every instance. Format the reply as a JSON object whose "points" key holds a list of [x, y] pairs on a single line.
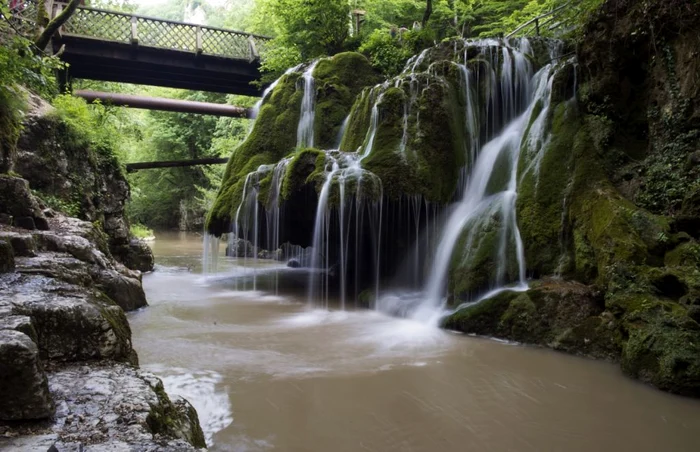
{"points": [[174, 421], [481, 318], [474, 260], [663, 348], [305, 167], [339, 80], [429, 165], [543, 192], [272, 137], [685, 254]]}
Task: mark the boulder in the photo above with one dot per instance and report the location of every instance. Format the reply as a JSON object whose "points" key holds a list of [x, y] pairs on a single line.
{"points": [[117, 407], [24, 390], [25, 223], [17, 200], [240, 248], [125, 291], [7, 257], [137, 255], [72, 323]]}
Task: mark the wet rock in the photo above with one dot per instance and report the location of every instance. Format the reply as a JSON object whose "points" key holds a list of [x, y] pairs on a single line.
{"points": [[137, 255], [563, 315], [125, 291], [7, 257], [240, 248], [121, 408], [25, 223], [72, 323], [264, 254], [5, 219], [293, 263], [20, 323], [22, 244], [16, 200], [23, 385]]}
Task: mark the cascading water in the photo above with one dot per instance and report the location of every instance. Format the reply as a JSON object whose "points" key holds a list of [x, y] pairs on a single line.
{"points": [[479, 201], [305, 131], [505, 110]]}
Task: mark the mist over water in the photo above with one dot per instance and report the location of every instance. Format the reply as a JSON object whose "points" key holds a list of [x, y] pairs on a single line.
{"points": [[266, 371]]}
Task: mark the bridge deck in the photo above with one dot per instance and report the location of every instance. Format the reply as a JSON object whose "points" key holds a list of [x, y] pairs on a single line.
{"points": [[121, 47]]}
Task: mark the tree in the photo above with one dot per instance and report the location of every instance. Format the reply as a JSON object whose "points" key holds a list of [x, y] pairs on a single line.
{"points": [[428, 13], [52, 27]]}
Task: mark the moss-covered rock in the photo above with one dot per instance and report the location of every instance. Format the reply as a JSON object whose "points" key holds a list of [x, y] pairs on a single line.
{"points": [[338, 81], [663, 347], [566, 316]]}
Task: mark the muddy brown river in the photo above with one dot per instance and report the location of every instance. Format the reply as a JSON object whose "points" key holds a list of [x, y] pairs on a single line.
{"points": [[267, 372]]}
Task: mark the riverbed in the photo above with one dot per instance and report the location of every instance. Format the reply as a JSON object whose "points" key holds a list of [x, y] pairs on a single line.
{"points": [[268, 372]]}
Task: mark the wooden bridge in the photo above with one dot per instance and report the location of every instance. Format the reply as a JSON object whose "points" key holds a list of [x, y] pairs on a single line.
{"points": [[128, 48]]}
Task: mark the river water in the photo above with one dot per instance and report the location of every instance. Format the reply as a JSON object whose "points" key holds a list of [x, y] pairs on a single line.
{"points": [[265, 372]]}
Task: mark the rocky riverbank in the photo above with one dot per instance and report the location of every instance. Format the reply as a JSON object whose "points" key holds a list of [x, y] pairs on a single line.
{"points": [[69, 373], [69, 376]]}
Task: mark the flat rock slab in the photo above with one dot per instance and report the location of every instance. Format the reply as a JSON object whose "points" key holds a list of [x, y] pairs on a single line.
{"points": [[108, 407]]}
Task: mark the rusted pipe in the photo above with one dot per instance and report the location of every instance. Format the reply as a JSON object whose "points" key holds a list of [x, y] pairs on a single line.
{"points": [[133, 167], [162, 104]]}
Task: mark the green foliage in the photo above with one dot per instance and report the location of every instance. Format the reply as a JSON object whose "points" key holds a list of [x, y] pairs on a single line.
{"points": [[307, 28], [68, 207], [19, 64], [95, 125], [140, 231], [389, 54]]}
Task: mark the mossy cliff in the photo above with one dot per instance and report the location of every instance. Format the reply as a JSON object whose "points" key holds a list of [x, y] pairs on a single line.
{"points": [[338, 81], [614, 204]]}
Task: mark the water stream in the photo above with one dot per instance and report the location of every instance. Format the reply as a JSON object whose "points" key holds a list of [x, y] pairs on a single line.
{"points": [[268, 372]]}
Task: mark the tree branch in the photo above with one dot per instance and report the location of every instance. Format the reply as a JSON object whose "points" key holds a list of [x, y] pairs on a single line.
{"points": [[52, 27], [428, 13]]}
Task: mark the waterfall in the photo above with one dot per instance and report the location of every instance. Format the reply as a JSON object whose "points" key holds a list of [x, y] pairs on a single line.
{"points": [[341, 170], [305, 131], [504, 112], [479, 202], [256, 108]]}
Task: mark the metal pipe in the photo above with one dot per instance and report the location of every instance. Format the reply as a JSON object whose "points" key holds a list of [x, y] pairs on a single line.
{"points": [[159, 103], [133, 167]]}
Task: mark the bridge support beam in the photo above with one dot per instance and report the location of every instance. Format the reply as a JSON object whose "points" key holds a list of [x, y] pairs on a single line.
{"points": [[133, 167], [161, 104]]}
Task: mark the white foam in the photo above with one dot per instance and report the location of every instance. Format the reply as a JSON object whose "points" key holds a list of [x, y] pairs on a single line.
{"points": [[200, 389]]}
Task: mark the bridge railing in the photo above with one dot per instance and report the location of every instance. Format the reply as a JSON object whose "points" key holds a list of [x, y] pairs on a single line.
{"points": [[139, 30], [549, 23]]}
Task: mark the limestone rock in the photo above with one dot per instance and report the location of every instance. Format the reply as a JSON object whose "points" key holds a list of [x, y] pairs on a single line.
{"points": [[125, 291], [72, 323], [16, 200], [22, 244], [116, 406], [7, 257], [137, 255], [24, 392]]}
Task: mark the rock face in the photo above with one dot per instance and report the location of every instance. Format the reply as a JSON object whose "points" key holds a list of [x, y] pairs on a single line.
{"points": [[7, 257], [83, 181], [24, 389], [616, 204], [66, 357], [16, 200]]}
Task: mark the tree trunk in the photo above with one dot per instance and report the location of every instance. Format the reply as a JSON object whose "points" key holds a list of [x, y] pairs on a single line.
{"points": [[43, 40], [428, 13]]}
